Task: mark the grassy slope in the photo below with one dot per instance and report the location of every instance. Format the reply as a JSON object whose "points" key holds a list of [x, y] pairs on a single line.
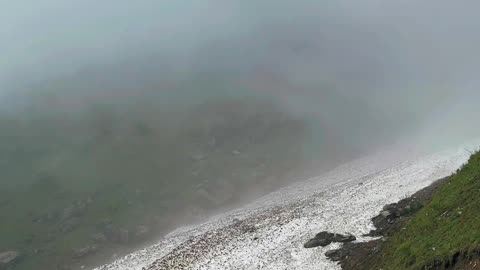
{"points": [[449, 224]]}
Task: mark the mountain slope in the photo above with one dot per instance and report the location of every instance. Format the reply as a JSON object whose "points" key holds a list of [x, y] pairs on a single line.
{"points": [[444, 234]]}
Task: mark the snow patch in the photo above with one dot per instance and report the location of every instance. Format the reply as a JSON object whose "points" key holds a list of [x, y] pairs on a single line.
{"points": [[341, 201]]}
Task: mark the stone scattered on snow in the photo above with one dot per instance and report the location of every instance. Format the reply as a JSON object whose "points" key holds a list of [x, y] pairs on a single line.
{"points": [[334, 201]]}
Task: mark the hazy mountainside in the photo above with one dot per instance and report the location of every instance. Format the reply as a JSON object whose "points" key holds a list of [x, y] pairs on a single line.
{"points": [[88, 184], [119, 146], [120, 120]]}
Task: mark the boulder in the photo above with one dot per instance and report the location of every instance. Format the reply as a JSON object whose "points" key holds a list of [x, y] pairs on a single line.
{"points": [[8, 258], [324, 239], [335, 255], [385, 213], [347, 250], [340, 238]]}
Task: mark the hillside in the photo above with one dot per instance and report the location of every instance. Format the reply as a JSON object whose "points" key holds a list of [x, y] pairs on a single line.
{"points": [[78, 189], [444, 234]]}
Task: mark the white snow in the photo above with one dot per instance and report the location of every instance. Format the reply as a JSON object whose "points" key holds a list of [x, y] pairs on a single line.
{"points": [[341, 201]]}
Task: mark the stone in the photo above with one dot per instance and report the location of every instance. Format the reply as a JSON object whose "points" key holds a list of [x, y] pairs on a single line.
{"points": [[335, 255], [339, 238], [324, 239], [8, 258], [385, 213]]}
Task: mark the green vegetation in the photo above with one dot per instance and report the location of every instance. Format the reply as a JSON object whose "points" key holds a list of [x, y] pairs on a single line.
{"points": [[447, 226], [77, 188]]}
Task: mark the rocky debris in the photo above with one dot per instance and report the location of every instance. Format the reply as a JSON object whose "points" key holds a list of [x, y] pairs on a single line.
{"points": [[85, 251], [394, 211], [357, 256], [354, 255], [199, 246], [8, 258], [324, 239], [339, 238], [246, 228], [335, 254], [393, 215]]}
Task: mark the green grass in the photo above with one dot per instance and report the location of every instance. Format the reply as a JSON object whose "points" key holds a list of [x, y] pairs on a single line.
{"points": [[449, 224]]}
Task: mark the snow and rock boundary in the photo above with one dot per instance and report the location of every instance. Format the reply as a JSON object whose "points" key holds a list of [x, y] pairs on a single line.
{"points": [[270, 232]]}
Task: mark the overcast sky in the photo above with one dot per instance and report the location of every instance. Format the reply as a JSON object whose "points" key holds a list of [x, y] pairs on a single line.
{"points": [[48, 36]]}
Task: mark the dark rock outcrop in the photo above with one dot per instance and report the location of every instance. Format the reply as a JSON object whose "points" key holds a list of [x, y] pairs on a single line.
{"points": [[393, 217], [324, 239], [339, 238], [354, 255]]}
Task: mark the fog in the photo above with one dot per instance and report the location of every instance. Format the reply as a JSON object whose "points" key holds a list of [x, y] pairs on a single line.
{"points": [[167, 111], [393, 62]]}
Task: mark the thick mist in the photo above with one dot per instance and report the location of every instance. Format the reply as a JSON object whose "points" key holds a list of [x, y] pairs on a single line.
{"points": [[359, 68], [126, 119]]}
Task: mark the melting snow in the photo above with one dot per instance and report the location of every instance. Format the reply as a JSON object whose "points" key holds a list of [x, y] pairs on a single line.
{"points": [[270, 232]]}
